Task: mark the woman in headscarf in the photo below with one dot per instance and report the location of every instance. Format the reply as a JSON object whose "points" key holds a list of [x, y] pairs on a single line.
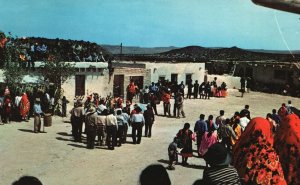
{"points": [[24, 106], [209, 138], [235, 124], [287, 143], [185, 137], [254, 156]]}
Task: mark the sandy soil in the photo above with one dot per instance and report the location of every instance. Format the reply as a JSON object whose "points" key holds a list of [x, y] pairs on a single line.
{"points": [[55, 159]]}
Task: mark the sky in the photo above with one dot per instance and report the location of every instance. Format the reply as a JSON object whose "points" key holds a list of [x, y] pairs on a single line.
{"points": [[154, 23]]}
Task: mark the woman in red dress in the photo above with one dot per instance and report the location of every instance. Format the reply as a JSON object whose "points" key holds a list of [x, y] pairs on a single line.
{"points": [[287, 143], [185, 137], [24, 106], [254, 156]]}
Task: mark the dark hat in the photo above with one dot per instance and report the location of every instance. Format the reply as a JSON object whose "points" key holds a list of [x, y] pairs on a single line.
{"points": [[138, 109], [79, 103], [217, 155]]}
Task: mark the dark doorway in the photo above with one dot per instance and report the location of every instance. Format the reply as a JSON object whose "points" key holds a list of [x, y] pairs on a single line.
{"points": [[138, 80], [118, 85], [188, 78], [174, 78], [79, 85], [162, 79]]}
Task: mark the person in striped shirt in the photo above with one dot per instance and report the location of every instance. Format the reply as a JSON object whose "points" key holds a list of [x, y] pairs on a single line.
{"points": [[219, 172]]}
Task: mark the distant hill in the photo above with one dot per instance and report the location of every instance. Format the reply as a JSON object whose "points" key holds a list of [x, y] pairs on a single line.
{"points": [[198, 53], [234, 53], [114, 49], [274, 51]]}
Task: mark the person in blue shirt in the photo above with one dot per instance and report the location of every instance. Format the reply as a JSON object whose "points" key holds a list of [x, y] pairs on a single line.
{"points": [[37, 110], [200, 128]]}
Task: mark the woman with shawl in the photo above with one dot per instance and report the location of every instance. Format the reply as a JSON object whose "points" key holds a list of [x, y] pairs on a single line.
{"points": [[235, 124], [254, 156], [287, 143], [185, 137], [209, 138], [24, 106]]}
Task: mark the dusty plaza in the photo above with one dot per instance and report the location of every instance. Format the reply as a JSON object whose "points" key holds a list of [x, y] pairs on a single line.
{"points": [[55, 159]]}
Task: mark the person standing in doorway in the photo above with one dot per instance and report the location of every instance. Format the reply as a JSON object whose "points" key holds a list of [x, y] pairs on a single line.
{"points": [[190, 89], [196, 89]]}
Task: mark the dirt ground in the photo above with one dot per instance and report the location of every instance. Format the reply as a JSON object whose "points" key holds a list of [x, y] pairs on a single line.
{"points": [[56, 160]]}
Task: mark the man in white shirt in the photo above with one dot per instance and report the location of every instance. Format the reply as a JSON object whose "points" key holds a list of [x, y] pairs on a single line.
{"points": [[111, 130], [244, 122], [138, 122]]}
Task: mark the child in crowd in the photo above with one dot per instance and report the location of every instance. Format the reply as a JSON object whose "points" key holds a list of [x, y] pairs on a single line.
{"points": [[173, 154]]}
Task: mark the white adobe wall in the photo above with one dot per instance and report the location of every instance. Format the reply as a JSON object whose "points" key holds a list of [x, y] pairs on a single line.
{"points": [[129, 72], [94, 83], [166, 69], [232, 82]]}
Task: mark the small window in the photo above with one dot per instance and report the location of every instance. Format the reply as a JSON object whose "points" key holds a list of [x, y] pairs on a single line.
{"points": [[82, 70], [162, 79]]}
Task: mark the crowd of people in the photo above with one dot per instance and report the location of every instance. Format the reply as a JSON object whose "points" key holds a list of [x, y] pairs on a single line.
{"points": [[29, 50], [241, 149], [109, 120], [163, 91], [20, 106]]}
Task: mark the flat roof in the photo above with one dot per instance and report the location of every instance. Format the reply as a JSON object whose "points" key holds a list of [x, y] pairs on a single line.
{"points": [[80, 64]]}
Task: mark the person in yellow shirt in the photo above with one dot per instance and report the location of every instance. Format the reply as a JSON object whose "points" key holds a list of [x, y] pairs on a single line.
{"points": [[234, 122]]}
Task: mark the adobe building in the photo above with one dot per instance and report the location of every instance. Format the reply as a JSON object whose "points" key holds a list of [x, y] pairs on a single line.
{"points": [[90, 77], [143, 73], [95, 77], [271, 71]]}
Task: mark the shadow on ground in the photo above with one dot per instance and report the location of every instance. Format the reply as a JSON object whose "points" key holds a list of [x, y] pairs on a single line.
{"points": [[77, 145], [26, 130], [63, 134], [186, 166], [63, 139]]}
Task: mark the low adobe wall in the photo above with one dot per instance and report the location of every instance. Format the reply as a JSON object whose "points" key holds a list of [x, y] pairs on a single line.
{"points": [[233, 82]]}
